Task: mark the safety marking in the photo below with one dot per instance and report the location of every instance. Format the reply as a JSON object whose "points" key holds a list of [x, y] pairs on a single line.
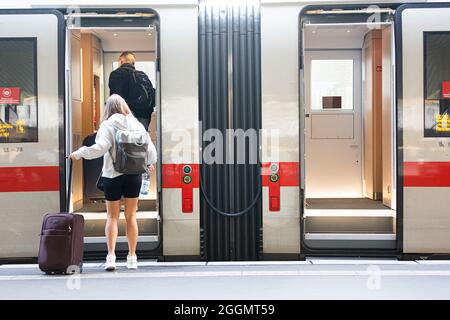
{"points": [[433, 262], [359, 262], [85, 265], [19, 266], [102, 215], [255, 263], [209, 274]]}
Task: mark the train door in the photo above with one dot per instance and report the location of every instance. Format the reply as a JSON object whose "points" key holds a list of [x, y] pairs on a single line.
{"points": [[32, 163], [333, 123], [95, 40], [348, 127], [423, 89]]}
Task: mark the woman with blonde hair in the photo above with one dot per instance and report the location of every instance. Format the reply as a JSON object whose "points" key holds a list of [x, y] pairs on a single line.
{"points": [[117, 116]]}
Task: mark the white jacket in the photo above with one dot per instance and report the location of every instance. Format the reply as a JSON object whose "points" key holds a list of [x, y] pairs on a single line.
{"points": [[105, 140]]}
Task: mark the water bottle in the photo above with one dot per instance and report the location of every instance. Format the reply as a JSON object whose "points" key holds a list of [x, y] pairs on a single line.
{"points": [[145, 184]]}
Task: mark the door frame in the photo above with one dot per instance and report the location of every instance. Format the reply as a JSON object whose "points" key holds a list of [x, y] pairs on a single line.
{"points": [[158, 250], [305, 249]]}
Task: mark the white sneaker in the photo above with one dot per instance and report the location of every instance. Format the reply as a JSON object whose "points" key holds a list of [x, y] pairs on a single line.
{"points": [[132, 262], [110, 264]]}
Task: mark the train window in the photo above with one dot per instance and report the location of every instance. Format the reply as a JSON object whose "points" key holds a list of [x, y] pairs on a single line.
{"points": [[18, 90], [332, 84], [437, 84]]}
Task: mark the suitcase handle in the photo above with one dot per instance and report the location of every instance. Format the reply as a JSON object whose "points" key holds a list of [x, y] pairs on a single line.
{"points": [[69, 187]]}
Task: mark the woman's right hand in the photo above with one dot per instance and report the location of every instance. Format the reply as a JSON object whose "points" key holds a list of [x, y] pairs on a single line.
{"points": [[72, 156]]}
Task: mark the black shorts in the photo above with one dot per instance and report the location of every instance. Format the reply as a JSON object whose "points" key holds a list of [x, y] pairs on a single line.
{"points": [[127, 185]]}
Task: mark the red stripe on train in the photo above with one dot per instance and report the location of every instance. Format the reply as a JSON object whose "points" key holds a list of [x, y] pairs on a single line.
{"points": [[172, 175], [426, 174], [288, 173], [29, 179]]}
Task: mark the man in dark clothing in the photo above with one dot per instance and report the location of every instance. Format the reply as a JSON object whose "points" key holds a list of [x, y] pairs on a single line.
{"points": [[134, 86]]}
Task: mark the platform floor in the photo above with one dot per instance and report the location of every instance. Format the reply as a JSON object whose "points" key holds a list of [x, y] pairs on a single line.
{"points": [[310, 279]]}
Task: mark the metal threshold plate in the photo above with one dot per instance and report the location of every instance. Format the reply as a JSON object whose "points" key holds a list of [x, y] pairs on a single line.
{"points": [[102, 215], [349, 213], [350, 236], [121, 239]]}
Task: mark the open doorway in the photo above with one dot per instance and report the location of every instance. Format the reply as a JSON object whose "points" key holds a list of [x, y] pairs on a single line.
{"points": [[96, 43], [349, 136]]}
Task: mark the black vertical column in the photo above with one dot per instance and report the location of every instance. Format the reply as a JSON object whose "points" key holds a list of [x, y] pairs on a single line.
{"points": [[230, 98]]}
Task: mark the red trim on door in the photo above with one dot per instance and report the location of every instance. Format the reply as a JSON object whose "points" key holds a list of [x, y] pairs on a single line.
{"points": [[184, 176], [172, 175], [276, 175], [426, 174], [29, 179], [288, 172]]}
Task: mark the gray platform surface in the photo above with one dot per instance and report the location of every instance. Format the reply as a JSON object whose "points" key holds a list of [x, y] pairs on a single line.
{"points": [[310, 279]]}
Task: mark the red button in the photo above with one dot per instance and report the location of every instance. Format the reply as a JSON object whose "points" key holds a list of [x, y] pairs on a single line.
{"points": [[274, 204], [187, 205]]}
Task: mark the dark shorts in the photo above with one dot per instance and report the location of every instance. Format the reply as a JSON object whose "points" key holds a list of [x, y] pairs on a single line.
{"points": [[127, 185]]}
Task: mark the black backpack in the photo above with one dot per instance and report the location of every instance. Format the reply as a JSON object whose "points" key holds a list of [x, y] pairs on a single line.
{"points": [[141, 94]]}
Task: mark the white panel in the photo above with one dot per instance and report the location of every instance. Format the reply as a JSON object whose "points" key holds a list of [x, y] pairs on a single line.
{"points": [[179, 85], [172, 205], [182, 237], [280, 82], [332, 126], [282, 228], [21, 221], [280, 119], [179, 121], [335, 37], [121, 40], [426, 222]]}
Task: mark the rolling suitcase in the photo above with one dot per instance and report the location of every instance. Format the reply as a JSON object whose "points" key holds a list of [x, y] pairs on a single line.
{"points": [[62, 240], [91, 171]]}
